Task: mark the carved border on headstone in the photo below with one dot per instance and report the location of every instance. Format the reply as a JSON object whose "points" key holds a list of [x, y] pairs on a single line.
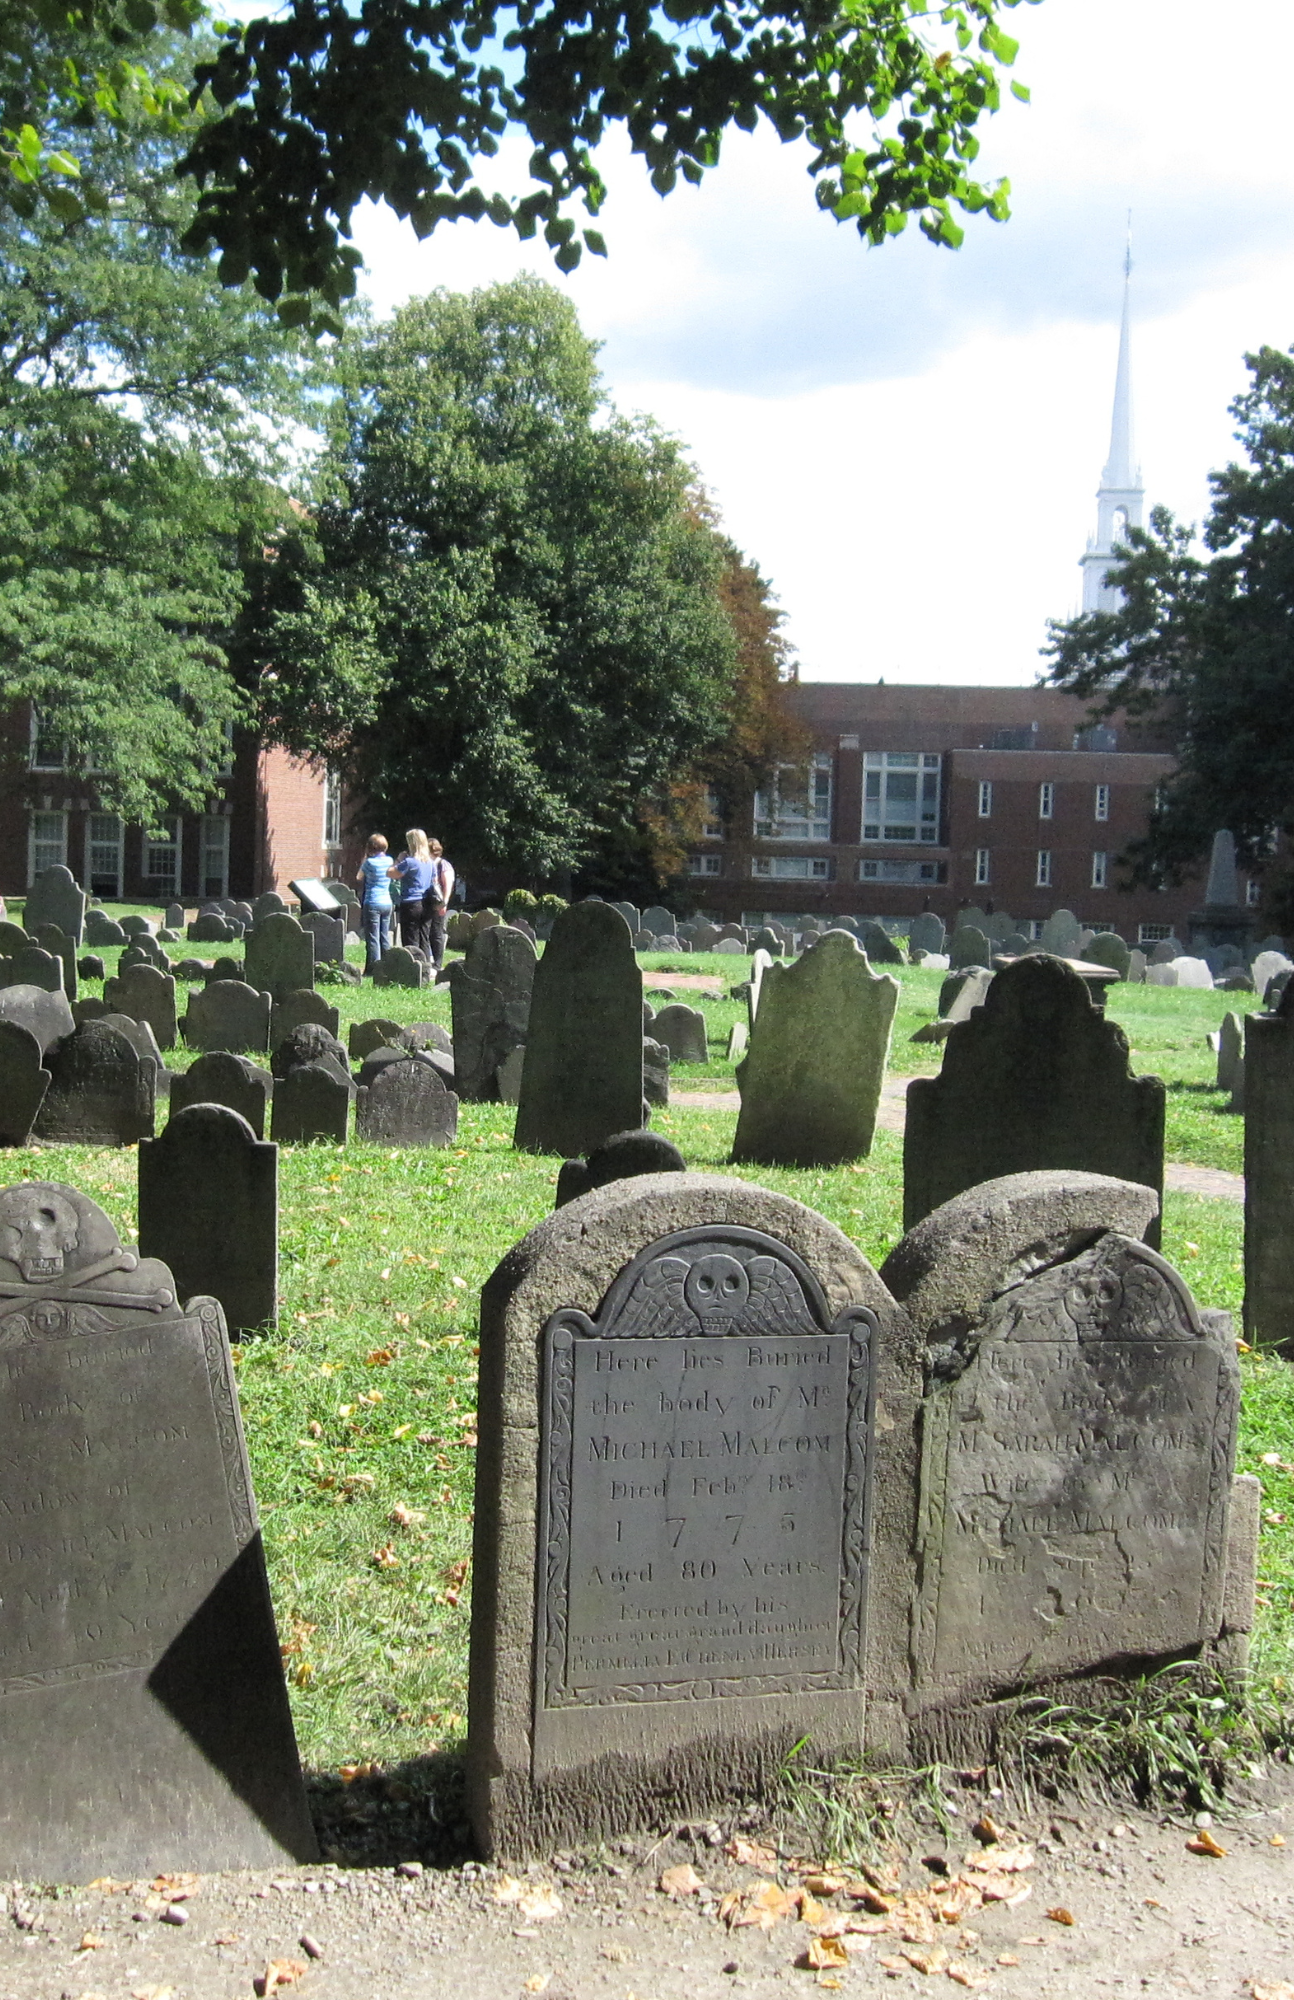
{"points": [[242, 1506], [645, 1301]]}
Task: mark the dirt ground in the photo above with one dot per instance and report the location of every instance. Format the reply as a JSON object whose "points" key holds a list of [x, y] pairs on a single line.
{"points": [[1149, 1916]]}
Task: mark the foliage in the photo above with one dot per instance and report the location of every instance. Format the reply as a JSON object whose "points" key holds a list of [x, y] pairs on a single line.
{"points": [[504, 598], [1206, 642], [137, 404]]}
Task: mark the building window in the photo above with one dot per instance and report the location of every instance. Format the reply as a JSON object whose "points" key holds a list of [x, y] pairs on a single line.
{"points": [[793, 867], [103, 840], [1253, 893], [1103, 802], [48, 751], [1042, 879], [705, 864], [46, 842], [901, 796], [162, 858], [986, 798], [795, 810], [1046, 800], [712, 824], [214, 873], [902, 871], [1099, 859], [1153, 933], [332, 809], [981, 865]]}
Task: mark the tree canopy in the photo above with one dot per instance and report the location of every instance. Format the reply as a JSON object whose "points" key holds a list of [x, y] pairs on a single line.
{"points": [[1205, 641], [139, 406], [503, 618]]}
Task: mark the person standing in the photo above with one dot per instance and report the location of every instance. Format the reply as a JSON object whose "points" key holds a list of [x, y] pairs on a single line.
{"points": [[374, 879], [414, 871], [437, 903]]}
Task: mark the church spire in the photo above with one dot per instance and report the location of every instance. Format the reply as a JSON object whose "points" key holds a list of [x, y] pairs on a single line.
{"points": [[1120, 495]]}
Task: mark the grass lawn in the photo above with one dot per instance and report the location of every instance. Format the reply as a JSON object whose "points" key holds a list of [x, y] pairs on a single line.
{"points": [[360, 1409]]}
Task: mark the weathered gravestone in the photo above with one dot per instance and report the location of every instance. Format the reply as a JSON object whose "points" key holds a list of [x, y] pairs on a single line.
{"points": [[1193, 972], [294, 1009], [483, 920], [312, 1102], [738, 1041], [398, 967], [583, 1074], [959, 995], [148, 1724], [228, 1014], [1060, 934], [55, 898], [655, 1073], [623, 1157], [136, 926], [926, 932], [174, 918], [101, 929], [224, 968], [209, 1207], [90, 966], [1231, 1051], [33, 967], [1077, 1438], [1034, 1078], [682, 1030], [144, 951], [209, 927], [759, 964], [1269, 1175], [969, 946], [490, 993], [880, 946], [674, 1419], [60, 946], [811, 1082], [44, 1013], [658, 921], [269, 904], [142, 1040], [280, 957], [12, 938], [1166, 951], [146, 995], [329, 934], [23, 1083], [308, 1043], [508, 1076], [1137, 964], [101, 1091], [406, 1104], [230, 1080], [365, 1036], [973, 916], [1269, 965], [1108, 948], [727, 947]]}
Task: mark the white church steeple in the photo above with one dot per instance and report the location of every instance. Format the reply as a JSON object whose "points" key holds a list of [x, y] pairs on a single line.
{"points": [[1120, 495]]}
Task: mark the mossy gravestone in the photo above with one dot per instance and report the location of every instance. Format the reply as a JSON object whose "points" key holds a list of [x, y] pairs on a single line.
{"points": [[490, 992], [209, 1207], [280, 956], [146, 995], [100, 1094], [583, 1074], [228, 1014], [811, 1082], [1034, 1078], [145, 1720]]}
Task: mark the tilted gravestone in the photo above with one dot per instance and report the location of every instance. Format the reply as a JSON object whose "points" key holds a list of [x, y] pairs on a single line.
{"points": [[959, 995], [1108, 948], [23, 1083], [1035, 1078], [293, 1009], [60, 946], [329, 934], [365, 1036], [583, 1073], [312, 1102], [398, 967], [406, 1104], [225, 1079], [146, 995], [969, 946], [490, 992], [1269, 1175], [43, 1012], [55, 898], [209, 1207], [101, 1092], [1060, 934], [280, 956], [926, 932], [682, 1030], [148, 1719], [228, 1015], [33, 967], [1231, 1051], [811, 1081], [671, 1527]]}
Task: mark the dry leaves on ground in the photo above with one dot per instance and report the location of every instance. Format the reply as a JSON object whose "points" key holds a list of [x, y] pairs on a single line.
{"points": [[1271, 1989], [538, 1982], [1204, 1843], [749, 1854], [280, 1972], [537, 1901], [1060, 1915], [825, 1954], [677, 1883], [175, 1888], [999, 1860]]}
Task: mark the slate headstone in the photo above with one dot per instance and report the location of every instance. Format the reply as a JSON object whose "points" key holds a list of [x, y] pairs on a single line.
{"points": [[144, 951], [682, 1030], [1231, 1050], [91, 966], [148, 1722], [189, 969], [228, 1015], [1108, 948], [1267, 966], [1060, 934], [1165, 951], [209, 1207], [60, 946], [56, 898], [624, 1155], [308, 1042], [296, 1008], [658, 921], [926, 932], [969, 946], [365, 1036], [101, 1092], [233, 1081], [1269, 1175], [225, 968], [398, 967], [101, 929], [280, 956], [507, 1078], [729, 947], [738, 1041], [406, 1104], [43, 1011], [209, 927], [33, 967], [1137, 966], [582, 1078], [12, 938], [329, 934], [175, 917], [146, 995], [490, 993], [23, 1083], [971, 916], [655, 1073], [1193, 972], [142, 1040], [268, 904], [311, 1102]]}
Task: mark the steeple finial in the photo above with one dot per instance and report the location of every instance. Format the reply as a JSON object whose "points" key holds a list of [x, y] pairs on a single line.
{"points": [[1119, 497]]}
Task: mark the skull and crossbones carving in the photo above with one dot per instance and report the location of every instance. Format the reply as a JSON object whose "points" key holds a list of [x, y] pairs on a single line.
{"points": [[38, 1231]]}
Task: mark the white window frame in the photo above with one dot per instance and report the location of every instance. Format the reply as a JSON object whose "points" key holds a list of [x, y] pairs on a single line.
{"points": [[156, 883], [879, 827], [1101, 809], [332, 809], [41, 846], [91, 843], [1100, 867], [792, 867], [712, 827], [59, 764], [1042, 879], [705, 864], [777, 818], [1046, 799], [208, 847], [1153, 933], [983, 865], [985, 798]]}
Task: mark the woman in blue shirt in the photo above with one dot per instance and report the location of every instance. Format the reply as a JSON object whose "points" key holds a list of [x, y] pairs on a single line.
{"points": [[414, 871], [374, 880]]}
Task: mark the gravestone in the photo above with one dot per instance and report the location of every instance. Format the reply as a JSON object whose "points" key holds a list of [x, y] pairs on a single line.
{"points": [[1016, 945], [315, 897], [630, 914], [969, 946], [507, 1078], [811, 1081], [926, 932], [1269, 1175], [682, 1030], [671, 1517], [189, 969], [490, 992], [398, 967], [12, 938], [959, 995], [60, 946], [759, 964], [428, 1035], [1268, 966], [311, 1102], [365, 1036], [175, 915], [228, 1015], [33, 967], [308, 1042], [209, 1207], [280, 957], [658, 921], [1137, 966], [23, 1083], [100, 1093], [136, 926], [583, 1075], [42, 1011], [458, 932], [768, 940], [705, 937], [1108, 948], [1165, 951], [972, 916], [55, 898], [146, 995], [484, 920], [738, 1041], [880, 946], [728, 947], [230, 1080], [329, 934], [225, 968], [209, 927], [268, 904], [406, 1104], [997, 928], [144, 951], [644, 940], [91, 966], [625, 1155], [1161, 975], [1035, 1078], [296, 1008], [142, 1040], [655, 1074], [148, 1719], [91, 1009], [1077, 1440], [101, 930], [1060, 934], [1193, 972]]}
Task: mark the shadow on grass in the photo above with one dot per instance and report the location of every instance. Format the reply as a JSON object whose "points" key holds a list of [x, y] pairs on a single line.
{"points": [[413, 1811]]}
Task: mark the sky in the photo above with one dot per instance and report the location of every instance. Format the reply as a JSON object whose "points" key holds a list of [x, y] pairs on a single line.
{"points": [[907, 440]]}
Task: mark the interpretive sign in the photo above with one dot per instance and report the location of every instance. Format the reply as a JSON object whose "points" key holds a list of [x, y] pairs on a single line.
{"points": [[704, 1466]]}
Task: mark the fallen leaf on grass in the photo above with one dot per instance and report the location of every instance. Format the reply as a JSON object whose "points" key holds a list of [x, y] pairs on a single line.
{"points": [[1204, 1843], [385, 1557], [679, 1882], [824, 1955], [349, 1772], [1058, 1916], [407, 1517], [749, 1854], [997, 1860], [380, 1356], [278, 1973]]}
